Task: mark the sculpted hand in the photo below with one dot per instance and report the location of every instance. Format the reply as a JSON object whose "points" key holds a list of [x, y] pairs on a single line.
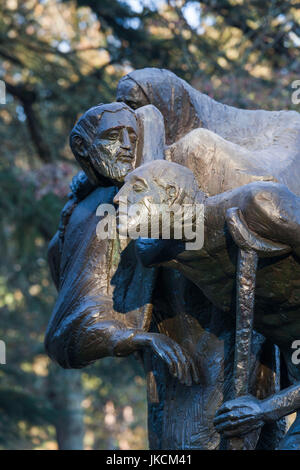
{"points": [[179, 363], [239, 416]]}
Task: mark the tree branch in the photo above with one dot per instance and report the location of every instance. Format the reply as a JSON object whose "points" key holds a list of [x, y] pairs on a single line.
{"points": [[27, 99]]}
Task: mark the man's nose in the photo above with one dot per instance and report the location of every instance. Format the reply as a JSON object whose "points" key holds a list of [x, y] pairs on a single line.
{"points": [[116, 199], [126, 144], [121, 196]]}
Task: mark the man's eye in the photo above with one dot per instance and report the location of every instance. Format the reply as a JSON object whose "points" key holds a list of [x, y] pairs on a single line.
{"points": [[133, 138], [138, 187], [113, 135]]}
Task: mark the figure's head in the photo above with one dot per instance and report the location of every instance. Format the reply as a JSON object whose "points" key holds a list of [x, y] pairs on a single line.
{"points": [[152, 185], [131, 93], [104, 141]]}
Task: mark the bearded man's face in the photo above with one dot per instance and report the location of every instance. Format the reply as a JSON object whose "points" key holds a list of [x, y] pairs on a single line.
{"points": [[112, 153]]}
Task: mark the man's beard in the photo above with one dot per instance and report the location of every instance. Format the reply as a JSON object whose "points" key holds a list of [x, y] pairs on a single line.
{"points": [[119, 170], [116, 171]]}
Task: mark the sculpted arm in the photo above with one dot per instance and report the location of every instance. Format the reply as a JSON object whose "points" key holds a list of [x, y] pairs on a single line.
{"points": [[242, 415], [85, 327], [90, 333]]}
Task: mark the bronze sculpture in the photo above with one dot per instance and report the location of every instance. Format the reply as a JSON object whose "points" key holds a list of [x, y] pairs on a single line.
{"points": [[159, 312]]}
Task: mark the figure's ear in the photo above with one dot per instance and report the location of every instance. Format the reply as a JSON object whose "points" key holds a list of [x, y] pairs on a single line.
{"points": [[80, 150], [172, 192], [79, 147]]}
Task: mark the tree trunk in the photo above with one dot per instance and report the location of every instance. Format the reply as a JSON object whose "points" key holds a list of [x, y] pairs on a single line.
{"points": [[66, 395]]}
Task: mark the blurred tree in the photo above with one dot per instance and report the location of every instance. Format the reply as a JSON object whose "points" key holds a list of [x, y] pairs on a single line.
{"points": [[59, 57]]}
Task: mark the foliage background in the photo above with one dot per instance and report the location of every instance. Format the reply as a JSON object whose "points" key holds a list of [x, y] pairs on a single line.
{"points": [[58, 58]]}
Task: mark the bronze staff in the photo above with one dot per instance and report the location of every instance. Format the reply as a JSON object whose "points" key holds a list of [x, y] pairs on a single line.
{"points": [[249, 247]]}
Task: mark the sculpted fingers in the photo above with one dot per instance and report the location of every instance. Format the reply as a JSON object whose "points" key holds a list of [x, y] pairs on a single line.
{"points": [[244, 404], [227, 419], [188, 368], [239, 416], [164, 350], [235, 426], [169, 361], [188, 365], [178, 361], [184, 375]]}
